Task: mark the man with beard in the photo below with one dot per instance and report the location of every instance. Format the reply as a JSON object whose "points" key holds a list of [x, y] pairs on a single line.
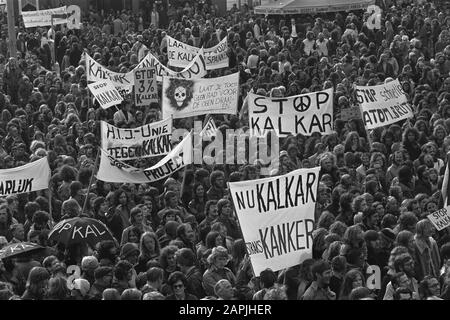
{"points": [[103, 279], [404, 263], [319, 288]]}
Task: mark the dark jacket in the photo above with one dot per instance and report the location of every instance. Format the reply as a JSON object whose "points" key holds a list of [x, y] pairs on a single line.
{"points": [[194, 280]]}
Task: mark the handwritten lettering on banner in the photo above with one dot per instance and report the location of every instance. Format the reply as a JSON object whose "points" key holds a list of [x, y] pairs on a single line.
{"points": [[145, 88], [440, 218], [383, 104], [305, 114], [41, 18], [186, 98], [116, 171], [124, 81], [181, 54], [149, 140], [33, 176], [105, 93], [276, 215]]}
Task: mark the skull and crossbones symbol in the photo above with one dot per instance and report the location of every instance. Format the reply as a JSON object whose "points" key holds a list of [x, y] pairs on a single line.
{"points": [[180, 95]]}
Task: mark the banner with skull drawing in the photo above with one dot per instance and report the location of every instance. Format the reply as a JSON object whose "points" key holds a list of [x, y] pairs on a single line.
{"points": [[186, 98]]}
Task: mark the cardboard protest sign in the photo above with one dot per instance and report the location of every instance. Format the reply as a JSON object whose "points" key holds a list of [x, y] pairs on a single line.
{"points": [[304, 114], [105, 93], [276, 216], [145, 88], [181, 54], [383, 104], [42, 18], [113, 170], [441, 218], [124, 81], [150, 140], [209, 130], [186, 98], [33, 176]]}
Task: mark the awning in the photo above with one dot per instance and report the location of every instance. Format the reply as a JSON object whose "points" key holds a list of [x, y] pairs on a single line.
{"points": [[312, 6]]}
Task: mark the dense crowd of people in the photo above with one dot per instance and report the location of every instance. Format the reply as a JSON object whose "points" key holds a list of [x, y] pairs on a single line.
{"points": [[179, 238]]}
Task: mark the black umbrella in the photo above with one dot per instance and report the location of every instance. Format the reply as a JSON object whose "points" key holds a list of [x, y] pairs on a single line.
{"points": [[15, 249], [80, 230]]}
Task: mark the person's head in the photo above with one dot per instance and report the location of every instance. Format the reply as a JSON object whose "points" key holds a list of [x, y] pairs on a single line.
{"points": [[360, 293], [185, 258], [110, 294], [224, 290], [89, 264], [211, 209], [217, 179], [404, 263], [321, 271], [167, 258], [424, 229], [405, 238], [37, 282], [224, 208], [267, 278], [130, 252], [352, 279], [17, 231], [429, 287], [186, 232], [123, 271], [131, 294], [219, 257], [177, 281], [57, 288], [149, 244], [400, 279], [80, 289], [408, 221], [5, 215], [104, 276]]}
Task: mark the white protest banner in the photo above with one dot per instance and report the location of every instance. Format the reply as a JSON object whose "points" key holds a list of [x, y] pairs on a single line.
{"points": [[181, 54], [276, 216], [105, 93], [150, 140], [145, 88], [186, 98], [115, 171], [209, 130], [440, 219], [304, 114], [33, 176], [383, 104], [124, 81], [41, 18]]}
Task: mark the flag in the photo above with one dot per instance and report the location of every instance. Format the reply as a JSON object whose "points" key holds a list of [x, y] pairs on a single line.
{"points": [[445, 191], [209, 130]]}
